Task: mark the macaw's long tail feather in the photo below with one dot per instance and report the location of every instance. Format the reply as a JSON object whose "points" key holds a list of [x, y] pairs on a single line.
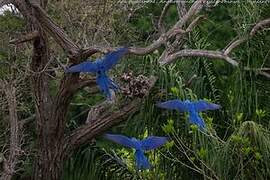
{"points": [[141, 160], [113, 85], [196, 119], [105, 84]]}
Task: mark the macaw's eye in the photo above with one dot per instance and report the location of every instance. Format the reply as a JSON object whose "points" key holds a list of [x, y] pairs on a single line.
{"points": [[99, 71]]}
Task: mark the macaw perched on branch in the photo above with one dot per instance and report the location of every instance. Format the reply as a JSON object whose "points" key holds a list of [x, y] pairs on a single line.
{"points": [[151, 142], [100, 67], [193, 108]]}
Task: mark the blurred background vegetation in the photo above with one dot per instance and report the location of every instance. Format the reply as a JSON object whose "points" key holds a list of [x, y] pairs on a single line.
{"points": [[237, 145]]}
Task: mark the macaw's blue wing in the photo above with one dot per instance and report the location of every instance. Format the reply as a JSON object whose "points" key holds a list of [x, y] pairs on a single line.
{"points": [[84, 67], [174, 104], [141, 160], [112, 58], [153, 142], [202, 105], [197, 120], [105, 84], [120, 139]]}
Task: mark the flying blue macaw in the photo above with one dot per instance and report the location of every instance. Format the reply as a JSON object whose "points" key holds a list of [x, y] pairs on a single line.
{"points": [[151, 142], [192, 107], [100, 67]]}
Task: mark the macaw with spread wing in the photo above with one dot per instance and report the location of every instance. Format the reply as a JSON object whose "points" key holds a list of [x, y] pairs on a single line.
{"points": [[192, 107], [151, 142], [100, 67]]}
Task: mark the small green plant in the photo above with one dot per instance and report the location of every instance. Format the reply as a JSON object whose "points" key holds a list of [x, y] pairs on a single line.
{"points": [[169, 127]]}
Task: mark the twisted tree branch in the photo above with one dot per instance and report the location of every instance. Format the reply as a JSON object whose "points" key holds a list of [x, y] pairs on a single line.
{"points": [[233, 45], [199, 53], [163, 13], [260, 71], [260, 25]]}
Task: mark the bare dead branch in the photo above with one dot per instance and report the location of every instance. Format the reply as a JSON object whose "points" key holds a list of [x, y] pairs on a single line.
{"points": [[88, 52], [162, 40], [195, 23], [89, 131], [96, 111], [25, 38], [194, 10], [164, 55], [260, 71], [233, 45], [265, 74], [175, 30], [142, 51], [265, 69], [188, 83], [260, 25], [163, 13], [199, 53], [24, 122]]}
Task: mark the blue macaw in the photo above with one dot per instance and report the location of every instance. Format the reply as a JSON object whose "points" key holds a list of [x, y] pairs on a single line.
{"points": [[193, 108], [100, 67], [151, 142]]}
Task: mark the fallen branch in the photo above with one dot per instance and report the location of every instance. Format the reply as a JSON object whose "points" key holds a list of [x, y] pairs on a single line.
{"points": [[162, 40]]}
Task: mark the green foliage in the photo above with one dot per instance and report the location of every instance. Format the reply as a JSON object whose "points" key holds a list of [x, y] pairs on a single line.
{"points": [[10, 22]]}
